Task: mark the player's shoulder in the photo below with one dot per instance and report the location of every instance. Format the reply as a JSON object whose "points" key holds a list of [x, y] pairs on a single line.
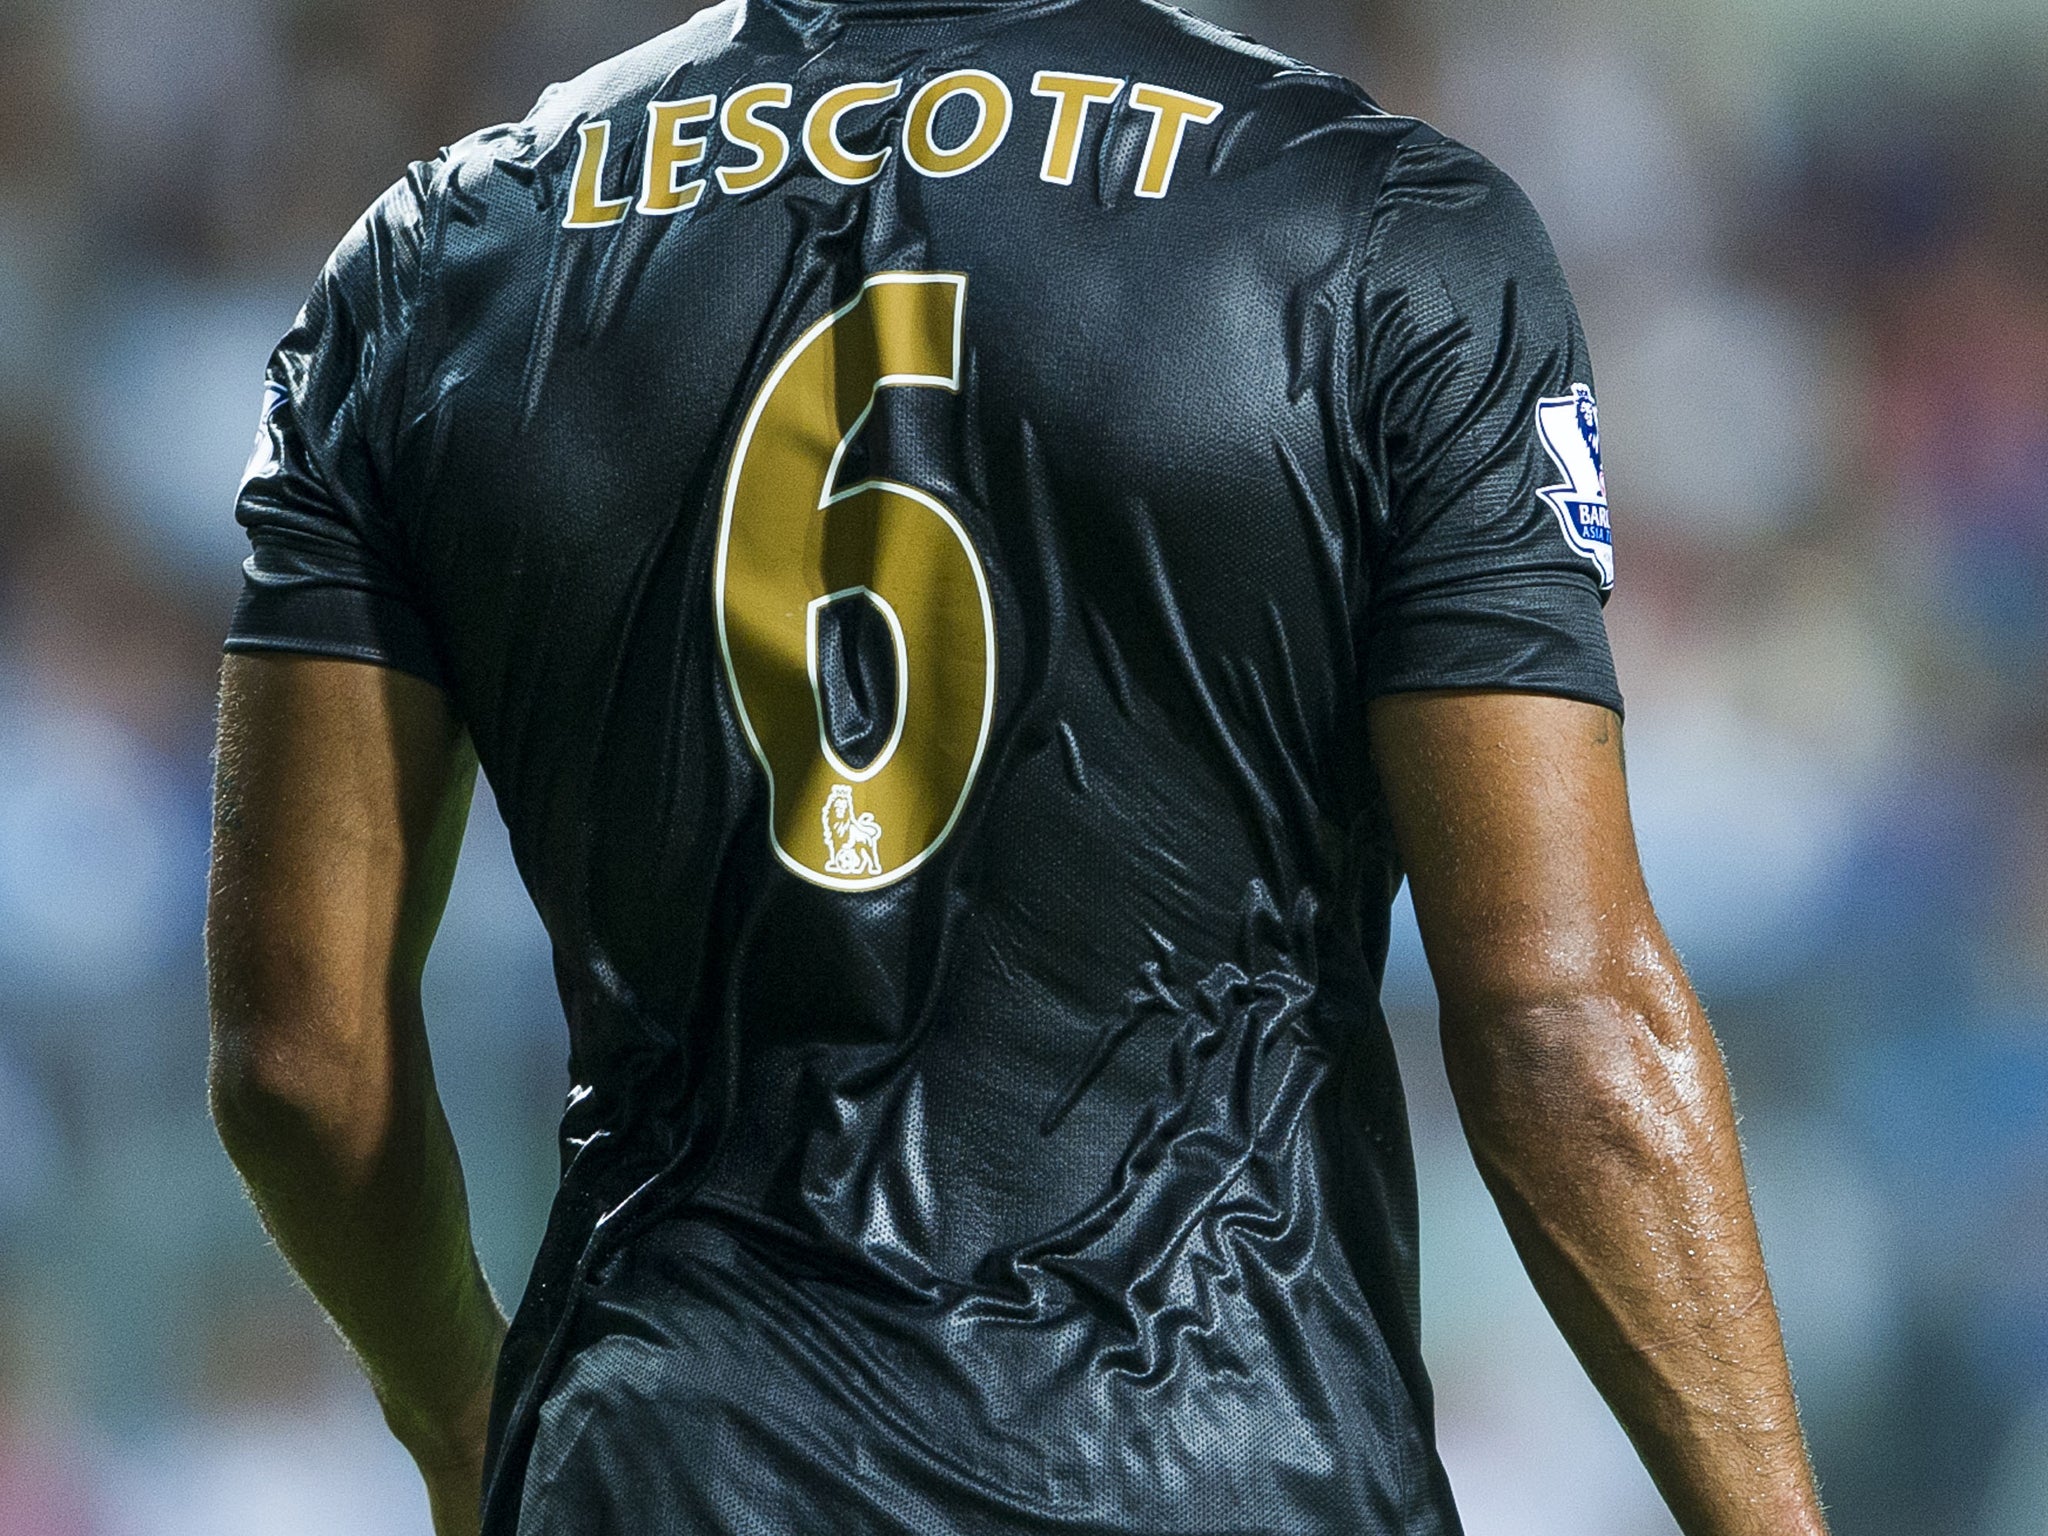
{"points": [[502, 167], [1283, 100], [623, 82], [1444, 213], [1431, 168], [1326, 129], [1265, 90], [1281, 105]]}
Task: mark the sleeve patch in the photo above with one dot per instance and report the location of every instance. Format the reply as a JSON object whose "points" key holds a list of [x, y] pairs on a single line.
{"points": [[266, 458], [1570, 428]]}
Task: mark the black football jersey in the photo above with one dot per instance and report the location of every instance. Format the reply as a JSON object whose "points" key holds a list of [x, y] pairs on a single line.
{"points": [[912, 500]]}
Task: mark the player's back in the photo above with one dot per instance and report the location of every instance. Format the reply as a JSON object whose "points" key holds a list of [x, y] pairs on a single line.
{"points": [[907, 498]]}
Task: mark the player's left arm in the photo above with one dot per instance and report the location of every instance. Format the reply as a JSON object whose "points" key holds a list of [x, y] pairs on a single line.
{"points": [[340, 800]]}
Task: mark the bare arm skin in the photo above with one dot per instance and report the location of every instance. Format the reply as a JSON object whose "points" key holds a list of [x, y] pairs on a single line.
{"points": [[1592, 1091], [338, 814]]}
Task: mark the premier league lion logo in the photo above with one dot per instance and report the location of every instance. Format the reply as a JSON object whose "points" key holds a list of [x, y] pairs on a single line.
{"points": [[853, 844], [1570, 428], [1589, 425], [264, 457]]}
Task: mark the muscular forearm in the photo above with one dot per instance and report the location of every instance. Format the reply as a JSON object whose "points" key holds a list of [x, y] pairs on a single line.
{"points": [[1603, 1126], [353, 1169], [339, 806]]}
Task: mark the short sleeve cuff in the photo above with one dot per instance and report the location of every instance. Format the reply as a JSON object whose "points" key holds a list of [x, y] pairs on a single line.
{"points": [[1533, 637], [308, 617]]}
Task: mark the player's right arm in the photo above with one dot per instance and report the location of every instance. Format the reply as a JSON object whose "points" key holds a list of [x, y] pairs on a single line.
{"points": [[1592, 1091], [1589, 1083]]}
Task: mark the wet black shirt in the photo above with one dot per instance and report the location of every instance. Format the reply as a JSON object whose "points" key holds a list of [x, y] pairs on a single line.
{"points": [[911, 502]]}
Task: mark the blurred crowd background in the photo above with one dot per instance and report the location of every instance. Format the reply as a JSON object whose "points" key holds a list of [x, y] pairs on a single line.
{"points": [[1810, 240]]}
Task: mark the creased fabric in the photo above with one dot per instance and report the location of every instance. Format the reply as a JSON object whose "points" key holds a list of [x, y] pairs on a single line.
{"points": [[1060, 1183]]}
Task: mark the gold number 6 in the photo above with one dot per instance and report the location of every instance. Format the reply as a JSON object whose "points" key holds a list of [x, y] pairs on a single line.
{"points": [[790, 541]]}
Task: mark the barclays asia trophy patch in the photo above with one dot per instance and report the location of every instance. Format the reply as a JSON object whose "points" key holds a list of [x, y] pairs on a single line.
{"points": [[1570, 428]]}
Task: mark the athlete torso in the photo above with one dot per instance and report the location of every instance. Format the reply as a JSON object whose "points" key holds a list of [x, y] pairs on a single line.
{"points": [[911, 502]]}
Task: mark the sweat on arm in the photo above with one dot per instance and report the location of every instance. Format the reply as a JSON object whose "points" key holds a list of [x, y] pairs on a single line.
{"points": [[1589, 1082]]}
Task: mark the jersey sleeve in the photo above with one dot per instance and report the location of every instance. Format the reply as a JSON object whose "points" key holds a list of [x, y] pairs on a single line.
{"points": [[328, 571], [1490, 552]]}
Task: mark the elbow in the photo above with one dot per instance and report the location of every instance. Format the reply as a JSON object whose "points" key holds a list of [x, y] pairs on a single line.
{"points": [[256, 1097], [288, 1072], [281, 1101], [308, 1045], [1622, 1062]]}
